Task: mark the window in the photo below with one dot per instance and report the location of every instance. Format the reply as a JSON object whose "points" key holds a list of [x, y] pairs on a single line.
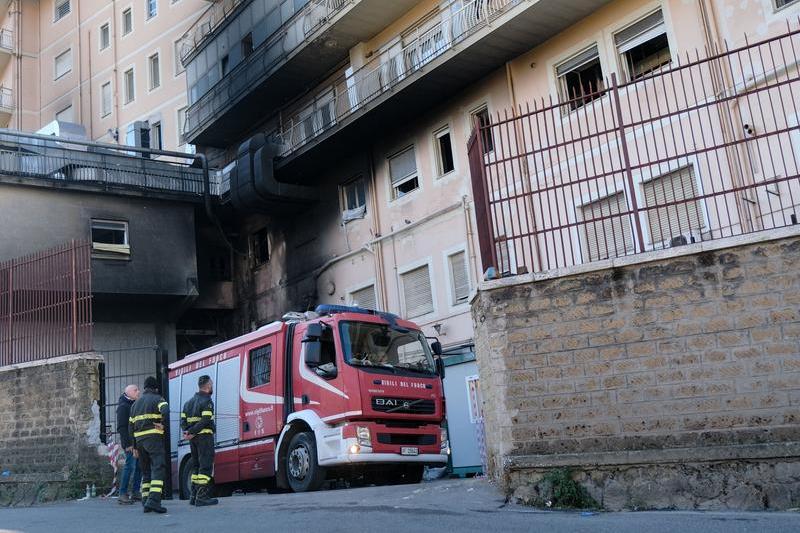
{"points": [[444, 152], [779, 4], [260, 366], [105, 99], [130, 86], [484, 120], [127, 21], [155, 71], [156, 140], [580, 78], [259, 247], [606, 235], [683, 216], [105, 36], [181, 126], [63, 9], [247, 45], [417, 293], [110, 239], [643, 46], [403, 172], [63, 63], [223, 65], [364, 298], [179, 68], [354, 195], [152, 8], [328, 351], [459, 277], [65, 115]]}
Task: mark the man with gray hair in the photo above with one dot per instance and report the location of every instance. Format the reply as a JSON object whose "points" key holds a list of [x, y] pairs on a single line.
{"points": [[131, 472]]}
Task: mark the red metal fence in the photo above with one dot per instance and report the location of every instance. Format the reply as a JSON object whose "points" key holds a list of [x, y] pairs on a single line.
{"points": [[705, 148], [45, 304]]}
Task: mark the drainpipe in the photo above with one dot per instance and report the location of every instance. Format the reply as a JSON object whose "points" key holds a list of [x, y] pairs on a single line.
{"points": [[80, 64], [115, 80], [377, 251], [473, 260], [17, 15]]}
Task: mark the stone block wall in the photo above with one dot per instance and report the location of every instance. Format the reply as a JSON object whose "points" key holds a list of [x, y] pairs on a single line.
{"points": [[50, 429], [630, 373]]}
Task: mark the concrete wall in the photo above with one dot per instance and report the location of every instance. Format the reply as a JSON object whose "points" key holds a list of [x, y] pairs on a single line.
{"points": [[670, 383], [161, 235], [50, 430]]}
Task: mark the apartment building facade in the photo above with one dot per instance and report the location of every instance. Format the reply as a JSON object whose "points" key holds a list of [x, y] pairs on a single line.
{"points": [[102, 64], [373, 107]]}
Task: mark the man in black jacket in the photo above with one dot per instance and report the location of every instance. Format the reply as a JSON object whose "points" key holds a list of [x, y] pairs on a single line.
{"points": [[197, 422], [131, 470], [149, 422]]}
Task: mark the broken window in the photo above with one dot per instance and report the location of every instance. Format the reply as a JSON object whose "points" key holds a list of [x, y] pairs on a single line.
{"points": [[484, 120], [444, 152], [110, 239], [580, 78], [259, 247], [643, 47]]}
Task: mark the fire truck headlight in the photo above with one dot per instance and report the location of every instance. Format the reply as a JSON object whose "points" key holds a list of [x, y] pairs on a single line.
{"points": [[364, 436], [355, 448]]}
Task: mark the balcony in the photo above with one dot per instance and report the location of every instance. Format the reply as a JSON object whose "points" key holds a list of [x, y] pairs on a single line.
{"points": [[434, 61], [6, 106], [45, 161], [6, 47], [273, 69]]}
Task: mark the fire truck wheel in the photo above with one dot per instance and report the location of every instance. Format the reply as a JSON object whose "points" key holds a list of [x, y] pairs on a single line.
{"points": [[302, 470], [185, 488]]}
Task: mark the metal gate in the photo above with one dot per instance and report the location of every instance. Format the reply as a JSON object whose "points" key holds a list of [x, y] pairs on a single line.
{"points": [[123, 367]]}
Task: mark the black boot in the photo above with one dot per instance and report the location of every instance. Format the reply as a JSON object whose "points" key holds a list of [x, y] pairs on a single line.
{"points": [[204, 497], [193, 495], [153, 504]]}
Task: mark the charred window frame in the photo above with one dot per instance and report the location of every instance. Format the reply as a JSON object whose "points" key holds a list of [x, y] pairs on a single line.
{"points": [[259, 248]]}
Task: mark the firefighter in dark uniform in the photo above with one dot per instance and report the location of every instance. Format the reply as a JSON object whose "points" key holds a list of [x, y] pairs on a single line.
{"points": [[197, 422], [148, 424]]}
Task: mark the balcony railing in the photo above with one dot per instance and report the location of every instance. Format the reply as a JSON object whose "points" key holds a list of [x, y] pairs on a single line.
{"points": [[420, 45], [113, 168], [705, 149], [196, 36], [7, 39], [291, 35]]}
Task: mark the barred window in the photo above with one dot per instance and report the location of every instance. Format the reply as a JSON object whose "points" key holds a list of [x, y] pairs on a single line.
{"points": [[260, 365]]}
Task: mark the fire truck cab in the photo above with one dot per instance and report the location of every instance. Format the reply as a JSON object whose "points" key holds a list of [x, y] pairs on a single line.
{"points": [[342, 391]]}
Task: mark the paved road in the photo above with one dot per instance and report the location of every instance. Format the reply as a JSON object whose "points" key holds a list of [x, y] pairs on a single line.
{"points": [[442, 506]]}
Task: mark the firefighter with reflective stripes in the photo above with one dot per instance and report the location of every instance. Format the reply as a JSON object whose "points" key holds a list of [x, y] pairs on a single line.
{"points": [[197, 422], [148, 422]]}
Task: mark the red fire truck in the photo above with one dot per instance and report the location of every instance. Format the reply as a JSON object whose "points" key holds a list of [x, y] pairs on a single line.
{"points": [[342, 392]]}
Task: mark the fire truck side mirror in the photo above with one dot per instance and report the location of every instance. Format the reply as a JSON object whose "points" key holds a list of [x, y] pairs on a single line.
{"points": [[312, 347], [436, 348]]}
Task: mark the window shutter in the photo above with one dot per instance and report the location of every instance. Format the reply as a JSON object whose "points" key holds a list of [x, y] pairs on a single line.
{"points": [[106, 96], [364, 298], [417, 293], [459, 277], [609, 237], [402, 165], [62, 9], [640, 32], [673, 220], [588, 55]]}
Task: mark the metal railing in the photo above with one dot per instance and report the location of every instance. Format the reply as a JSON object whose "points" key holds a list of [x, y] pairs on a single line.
{"points": [[196, 35], [6, 98], [291, 35], [45, 304], [7, 39], [420, 44], [114, 167], [703, 149]]}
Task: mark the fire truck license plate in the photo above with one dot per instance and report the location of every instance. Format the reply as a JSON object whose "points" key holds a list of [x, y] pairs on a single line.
{"points": [[407, 450]]}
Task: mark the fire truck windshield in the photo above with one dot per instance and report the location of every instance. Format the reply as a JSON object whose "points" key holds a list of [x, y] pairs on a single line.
{"points": [[377, 345]]}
